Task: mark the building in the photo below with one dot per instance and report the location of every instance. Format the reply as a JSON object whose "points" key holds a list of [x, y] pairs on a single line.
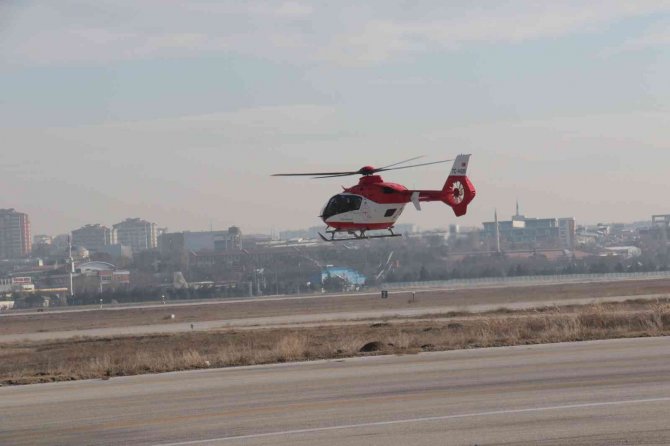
{"points": [[42, 239], [139, 234], [17, 285], [115, 251], [61, 241], [405, 228], [105, 275], [94, 237], [661, 226], [627, 252], [178, 242], [311, 233], [176, 248], [523, 233], [15, 237], [567, 233], [42, 246]]}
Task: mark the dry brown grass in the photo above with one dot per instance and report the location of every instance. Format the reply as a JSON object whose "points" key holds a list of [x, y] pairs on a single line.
{"points": [[291, 347], [106, 357]]}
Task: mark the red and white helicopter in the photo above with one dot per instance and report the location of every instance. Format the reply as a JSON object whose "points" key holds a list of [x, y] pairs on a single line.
{"points": [[374, 204]]}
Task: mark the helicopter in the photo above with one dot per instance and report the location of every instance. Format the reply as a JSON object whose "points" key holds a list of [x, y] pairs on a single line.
{"points": [[374, 204]]}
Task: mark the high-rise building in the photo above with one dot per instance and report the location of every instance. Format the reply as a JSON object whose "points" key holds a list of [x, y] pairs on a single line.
{"points": [[567, 233], [15, 238], [94, 237], [139, 234]]}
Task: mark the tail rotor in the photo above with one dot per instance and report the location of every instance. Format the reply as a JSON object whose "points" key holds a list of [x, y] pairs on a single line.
{"points": [[458, 191]]}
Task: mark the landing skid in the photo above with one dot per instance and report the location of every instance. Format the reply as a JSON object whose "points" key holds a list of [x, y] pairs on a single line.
{"points": [[354, 235]]}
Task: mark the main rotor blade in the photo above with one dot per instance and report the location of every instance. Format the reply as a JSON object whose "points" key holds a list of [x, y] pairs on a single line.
{"points": [[401, 162], [413, 165], [313, 174], [337, 175], [319, 175]]}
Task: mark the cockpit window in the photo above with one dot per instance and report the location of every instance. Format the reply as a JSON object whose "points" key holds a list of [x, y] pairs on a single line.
{"points": [[342, 203]]}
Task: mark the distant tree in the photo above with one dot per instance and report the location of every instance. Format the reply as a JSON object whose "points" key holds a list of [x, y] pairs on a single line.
{"points": [[599, 268], [334, 283], [424, 274]]}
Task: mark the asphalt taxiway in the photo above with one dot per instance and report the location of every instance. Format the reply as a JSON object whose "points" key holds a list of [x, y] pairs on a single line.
{"points": [[590, 393]]}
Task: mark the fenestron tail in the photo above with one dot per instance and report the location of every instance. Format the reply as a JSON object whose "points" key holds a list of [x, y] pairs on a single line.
{"points": [[458, 191]]}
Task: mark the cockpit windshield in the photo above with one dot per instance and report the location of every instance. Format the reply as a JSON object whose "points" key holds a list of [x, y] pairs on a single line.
{"points": [[342, 203]]}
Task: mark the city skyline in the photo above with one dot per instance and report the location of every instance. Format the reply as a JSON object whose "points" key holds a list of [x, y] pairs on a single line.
{"points": [[180, 113], [517, 212]]}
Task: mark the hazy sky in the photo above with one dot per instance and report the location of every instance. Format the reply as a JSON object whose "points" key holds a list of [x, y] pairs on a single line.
{"points": [[178, 112]]}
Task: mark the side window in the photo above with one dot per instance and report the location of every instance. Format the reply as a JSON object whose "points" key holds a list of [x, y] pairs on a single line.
{"points": [[389, 213], [342, 203], [353, 203]]}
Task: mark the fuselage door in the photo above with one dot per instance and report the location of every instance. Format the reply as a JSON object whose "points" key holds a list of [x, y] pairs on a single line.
{"points": [[362, 216]]}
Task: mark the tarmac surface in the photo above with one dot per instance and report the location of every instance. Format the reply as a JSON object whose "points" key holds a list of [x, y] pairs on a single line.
{"points": [[590, 393]]}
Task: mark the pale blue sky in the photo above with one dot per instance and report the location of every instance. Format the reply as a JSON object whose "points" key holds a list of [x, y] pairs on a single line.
{"points": [[178, 111]]}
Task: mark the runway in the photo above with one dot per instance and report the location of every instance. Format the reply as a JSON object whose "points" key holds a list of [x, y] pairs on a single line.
{"points": [[591, 393], [286, 311], [301, 320]]}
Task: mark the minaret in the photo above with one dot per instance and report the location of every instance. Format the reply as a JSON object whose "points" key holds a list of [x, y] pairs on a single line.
{"points": [[497, 231], [517, 208], [69, 246]]}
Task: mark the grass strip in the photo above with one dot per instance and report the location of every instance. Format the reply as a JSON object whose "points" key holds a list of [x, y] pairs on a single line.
{"points": [[85, 358]]}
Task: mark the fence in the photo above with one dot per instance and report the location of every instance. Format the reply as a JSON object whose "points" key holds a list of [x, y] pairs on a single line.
{"points": [[527, 280]]}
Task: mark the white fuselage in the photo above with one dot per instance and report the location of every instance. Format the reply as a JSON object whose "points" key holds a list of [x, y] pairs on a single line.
{"points": [[360, 211]]}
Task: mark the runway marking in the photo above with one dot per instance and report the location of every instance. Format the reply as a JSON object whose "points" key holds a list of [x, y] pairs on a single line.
{"points": [[414, 420]]}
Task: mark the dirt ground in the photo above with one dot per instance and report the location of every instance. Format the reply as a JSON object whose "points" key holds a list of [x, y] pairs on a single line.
{"points": [[47, 322]]}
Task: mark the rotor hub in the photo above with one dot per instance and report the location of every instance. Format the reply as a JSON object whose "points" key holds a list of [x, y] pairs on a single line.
{"points": [[367, 170]]}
